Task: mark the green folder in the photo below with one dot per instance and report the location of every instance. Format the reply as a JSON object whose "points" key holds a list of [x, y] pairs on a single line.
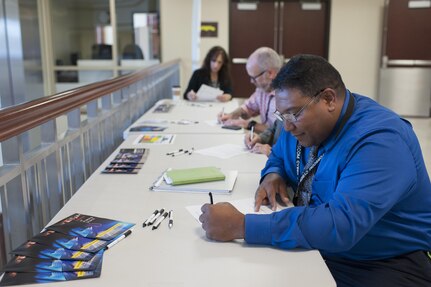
{"points": [[194, 175]]}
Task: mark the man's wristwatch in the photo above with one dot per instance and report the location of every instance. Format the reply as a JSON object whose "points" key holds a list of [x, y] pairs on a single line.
{"points": [[251, 124]]}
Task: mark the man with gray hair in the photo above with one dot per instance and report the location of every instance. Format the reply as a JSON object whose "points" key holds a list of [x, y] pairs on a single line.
{"points": [[262, 67]]}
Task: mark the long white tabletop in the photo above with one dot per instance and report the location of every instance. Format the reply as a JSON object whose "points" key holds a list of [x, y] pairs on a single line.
{"points": [[183, 256], [186, 117], [158, 160]]}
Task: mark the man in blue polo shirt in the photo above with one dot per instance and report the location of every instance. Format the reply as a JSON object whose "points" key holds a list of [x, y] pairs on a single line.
{"points": [[362, 191]]}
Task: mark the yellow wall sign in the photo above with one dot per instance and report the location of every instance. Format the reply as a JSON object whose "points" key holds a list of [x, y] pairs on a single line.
{"points": [[209, 29]]}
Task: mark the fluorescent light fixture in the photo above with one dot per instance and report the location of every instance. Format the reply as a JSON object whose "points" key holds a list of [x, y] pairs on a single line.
{"points": [[247, 6], [311, 6], [420, 4]]}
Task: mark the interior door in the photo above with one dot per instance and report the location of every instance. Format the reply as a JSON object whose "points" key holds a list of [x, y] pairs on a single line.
{"points": [[304, 28], [251, 25], [290, 27]]}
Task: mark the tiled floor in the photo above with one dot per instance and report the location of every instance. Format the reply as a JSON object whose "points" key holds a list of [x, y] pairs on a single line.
{"points": [[422, 127]]}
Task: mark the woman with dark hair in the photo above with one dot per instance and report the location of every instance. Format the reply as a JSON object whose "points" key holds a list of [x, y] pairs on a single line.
{"points": [[214, 72]]}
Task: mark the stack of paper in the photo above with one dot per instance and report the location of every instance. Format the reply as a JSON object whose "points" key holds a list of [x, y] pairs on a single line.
{"points": [[208, 94]]}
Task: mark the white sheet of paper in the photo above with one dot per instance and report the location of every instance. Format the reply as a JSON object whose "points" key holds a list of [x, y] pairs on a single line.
{"points": [[213, 123], [245, 206], [224, 151], [208, 94]]}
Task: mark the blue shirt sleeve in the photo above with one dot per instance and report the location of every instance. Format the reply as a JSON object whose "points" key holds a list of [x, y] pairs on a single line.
{"points": [[373, 175]]}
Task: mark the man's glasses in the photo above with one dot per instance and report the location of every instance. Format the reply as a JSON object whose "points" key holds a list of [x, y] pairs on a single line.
{"points": [[293, 117], [257, 76]]}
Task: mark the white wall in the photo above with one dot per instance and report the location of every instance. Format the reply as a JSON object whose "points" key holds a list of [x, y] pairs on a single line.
{"points": [[354, 40], [176, 31], [176, 34], [215, 11]]}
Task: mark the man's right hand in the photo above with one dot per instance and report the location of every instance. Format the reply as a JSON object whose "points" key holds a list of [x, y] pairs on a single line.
{"points": [[222, 117], [249, 143], [271, 185]]}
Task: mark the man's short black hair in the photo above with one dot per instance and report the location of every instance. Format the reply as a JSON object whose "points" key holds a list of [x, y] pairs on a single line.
{"points": [[309, 74]]}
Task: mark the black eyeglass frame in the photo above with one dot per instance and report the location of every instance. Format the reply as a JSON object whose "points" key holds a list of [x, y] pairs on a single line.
{"points": [[293, 117], [254, 78]]}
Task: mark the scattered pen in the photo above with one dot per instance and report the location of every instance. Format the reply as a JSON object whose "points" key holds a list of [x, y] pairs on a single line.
{"points": [[180, 153], [155, 217], [150, 218], [158, 181], [171, 218], [159, 220], [251, 133], [211, 197], [121, 237], [173, 152]]}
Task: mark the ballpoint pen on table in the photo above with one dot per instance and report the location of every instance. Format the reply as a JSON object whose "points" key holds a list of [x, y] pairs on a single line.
{"points": [[175, 151], [157, 216], [171, 218], [179, 152], [150, 218], [159, 220], [211, 197], [121, 237], [187, 151]]}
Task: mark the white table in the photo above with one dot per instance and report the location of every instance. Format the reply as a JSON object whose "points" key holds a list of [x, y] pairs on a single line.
{"points": [[158, 161], [184, 110], [183, 256]]}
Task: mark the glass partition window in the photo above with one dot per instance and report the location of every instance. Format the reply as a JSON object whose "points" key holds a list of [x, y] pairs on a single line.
{"points": [[138, 34], [81, 29], [85, 36]]}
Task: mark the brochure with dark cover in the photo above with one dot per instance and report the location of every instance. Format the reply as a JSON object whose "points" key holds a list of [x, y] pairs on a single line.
{"points": [[131, 155], [91, 226], [125, 165], [163, 108], [33, 249], [29, 264], [147, 129], [56, 239], [120, 170], [19, 278]]}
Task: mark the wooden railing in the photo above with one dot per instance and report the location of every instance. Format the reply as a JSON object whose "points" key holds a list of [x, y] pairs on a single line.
{"points": [[51, 145], [20, 118]]}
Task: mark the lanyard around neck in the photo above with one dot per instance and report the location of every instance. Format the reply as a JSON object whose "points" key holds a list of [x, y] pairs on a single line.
{"points": [[299, 150], [267, 109]]}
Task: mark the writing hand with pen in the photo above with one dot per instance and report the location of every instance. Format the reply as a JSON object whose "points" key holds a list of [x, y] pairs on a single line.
{"points": [[253, 143], [222, 221], [222, 117]]}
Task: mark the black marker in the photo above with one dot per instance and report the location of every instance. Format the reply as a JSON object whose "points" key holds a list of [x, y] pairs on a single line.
{"points": [[121, 237], [159, 220], [150, 218], [171, 219], [160, 212], [211, 198]]}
